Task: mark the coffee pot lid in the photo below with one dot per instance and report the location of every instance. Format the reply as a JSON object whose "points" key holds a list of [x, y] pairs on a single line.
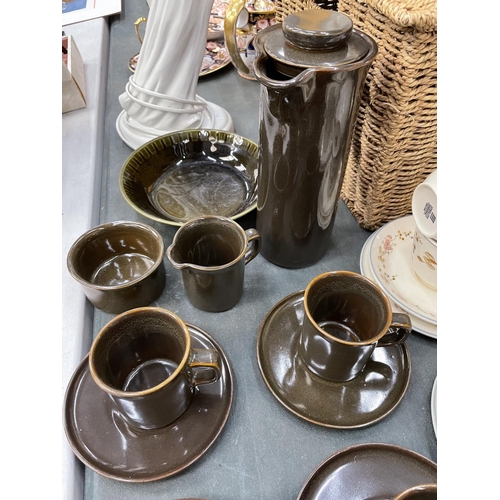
{"points": [[316, 38]]}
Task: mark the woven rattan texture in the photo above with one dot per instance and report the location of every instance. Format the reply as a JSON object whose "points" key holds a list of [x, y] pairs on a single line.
{"points": [[394, 144], [285, 7]]}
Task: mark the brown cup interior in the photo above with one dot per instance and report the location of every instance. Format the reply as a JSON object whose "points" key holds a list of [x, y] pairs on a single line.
{"points": [[347, 307], [208, 243], [115, 254], [139, 350]]}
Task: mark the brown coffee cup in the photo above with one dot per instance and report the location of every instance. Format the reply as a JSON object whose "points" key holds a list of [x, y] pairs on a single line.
{"points": [[212, 252], [144, 361], [346, 316]]}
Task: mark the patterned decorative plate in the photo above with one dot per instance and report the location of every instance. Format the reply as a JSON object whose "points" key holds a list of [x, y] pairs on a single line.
{"points": [[216, 57], [391, 265], [418, 325]]}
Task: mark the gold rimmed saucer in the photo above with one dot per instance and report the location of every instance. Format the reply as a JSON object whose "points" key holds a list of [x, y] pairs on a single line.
{"points": [[367, 399], [104, 442]]}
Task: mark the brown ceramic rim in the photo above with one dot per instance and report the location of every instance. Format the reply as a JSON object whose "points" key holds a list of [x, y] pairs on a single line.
{"points": [[102, 227], [371, 285], [140, 310], [130, 478], [404, 351], [190, 133], [228, 264], [362, 447], [303, 75], [427, 488]]}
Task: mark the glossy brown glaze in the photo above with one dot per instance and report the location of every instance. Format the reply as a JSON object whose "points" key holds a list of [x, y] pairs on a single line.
{"points": [[119, 265], [143, 361], [106, 443], [190, 173], [367, 399], [307, 117], [419, 492], [212, 253], [368, 471], [346, 317]]}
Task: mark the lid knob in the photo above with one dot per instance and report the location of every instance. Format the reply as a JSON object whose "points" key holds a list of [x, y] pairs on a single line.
{"points": [[317, 29]]}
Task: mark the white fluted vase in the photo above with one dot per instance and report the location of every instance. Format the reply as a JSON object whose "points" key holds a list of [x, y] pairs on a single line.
{"points": [[160, 97]]}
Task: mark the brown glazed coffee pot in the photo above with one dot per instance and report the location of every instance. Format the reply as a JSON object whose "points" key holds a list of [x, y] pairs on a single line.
{"points": [[312, 68]]}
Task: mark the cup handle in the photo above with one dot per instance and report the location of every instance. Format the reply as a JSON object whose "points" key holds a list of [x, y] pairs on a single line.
{"points": [[137, 23], [233, 11], [205, 366], [398, 331], [254, 244]]}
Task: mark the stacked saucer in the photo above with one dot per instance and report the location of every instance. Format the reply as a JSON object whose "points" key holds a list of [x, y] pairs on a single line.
{"points": [[386, 258]]}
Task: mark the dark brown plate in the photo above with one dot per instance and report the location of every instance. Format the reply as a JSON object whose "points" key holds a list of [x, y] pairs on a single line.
{"points": [[368, 398], [103, 441], [368, 472]]}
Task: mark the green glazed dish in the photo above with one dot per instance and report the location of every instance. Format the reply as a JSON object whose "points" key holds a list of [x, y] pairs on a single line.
{"points": [[191, 173]]}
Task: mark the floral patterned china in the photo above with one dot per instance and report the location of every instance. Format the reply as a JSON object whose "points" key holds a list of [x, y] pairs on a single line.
{"points": [[392, 267], [418, 325], [107, 444], [216, 21], [244, 19], [366, 399], [216, 57], [261, 6]]}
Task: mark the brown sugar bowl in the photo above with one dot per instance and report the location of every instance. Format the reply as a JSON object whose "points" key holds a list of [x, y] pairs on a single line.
{"points": [[119, 265]]}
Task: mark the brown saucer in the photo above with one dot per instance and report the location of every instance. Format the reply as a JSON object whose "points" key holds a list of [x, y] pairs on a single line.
{"points": [[368, 398], [103, 441], [368, 472]]}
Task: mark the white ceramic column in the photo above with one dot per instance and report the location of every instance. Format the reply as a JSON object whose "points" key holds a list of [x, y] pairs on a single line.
{"points": [[160, 97]]}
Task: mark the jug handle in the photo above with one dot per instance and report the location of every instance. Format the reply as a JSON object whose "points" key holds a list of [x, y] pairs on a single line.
{"points": [[137, 23], [254, 244], [233, 12]]}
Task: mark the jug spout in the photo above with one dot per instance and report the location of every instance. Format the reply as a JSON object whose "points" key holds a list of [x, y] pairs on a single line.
{"points": [[307, 118], [174, 258]]}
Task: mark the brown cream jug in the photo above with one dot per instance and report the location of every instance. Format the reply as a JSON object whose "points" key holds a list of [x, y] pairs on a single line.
{"points": [[312, 69]]}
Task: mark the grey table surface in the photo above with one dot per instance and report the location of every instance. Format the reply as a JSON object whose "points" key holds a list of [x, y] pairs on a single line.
{"points": [[264, 451]]}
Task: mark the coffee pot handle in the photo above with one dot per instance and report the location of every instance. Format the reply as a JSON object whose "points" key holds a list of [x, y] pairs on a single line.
{"points": [[137, 23], [254, 244], [205, 366], [398, 331], [231, 20]]}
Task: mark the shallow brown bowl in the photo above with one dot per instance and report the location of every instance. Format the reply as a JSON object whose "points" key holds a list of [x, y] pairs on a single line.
{"points": [[119, 265], [191, 173]]}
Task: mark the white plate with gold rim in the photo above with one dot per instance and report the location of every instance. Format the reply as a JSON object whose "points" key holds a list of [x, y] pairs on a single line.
{"points": [[392, 268], [418, 325]]}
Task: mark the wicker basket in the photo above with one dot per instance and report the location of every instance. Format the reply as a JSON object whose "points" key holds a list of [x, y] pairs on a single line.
{"points": [[285, 7], [394, 144]]}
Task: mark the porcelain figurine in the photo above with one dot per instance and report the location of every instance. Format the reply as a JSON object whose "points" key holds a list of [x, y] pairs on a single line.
{"points": [[160, 97]]}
